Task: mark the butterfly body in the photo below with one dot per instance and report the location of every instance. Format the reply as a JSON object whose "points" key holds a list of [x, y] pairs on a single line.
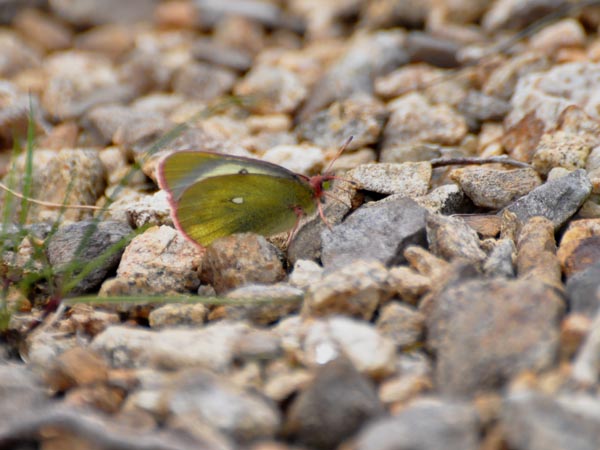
{"points": [[214, 195]]}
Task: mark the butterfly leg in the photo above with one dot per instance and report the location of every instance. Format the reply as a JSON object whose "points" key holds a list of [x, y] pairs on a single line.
{"points": [[322, 215], [299, 214]]}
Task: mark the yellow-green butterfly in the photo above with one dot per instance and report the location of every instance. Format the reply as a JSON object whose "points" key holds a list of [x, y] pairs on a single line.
{"points": [[214, 195]]}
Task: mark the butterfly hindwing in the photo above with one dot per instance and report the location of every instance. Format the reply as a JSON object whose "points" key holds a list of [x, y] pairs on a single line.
{"points": [[218, 206]]}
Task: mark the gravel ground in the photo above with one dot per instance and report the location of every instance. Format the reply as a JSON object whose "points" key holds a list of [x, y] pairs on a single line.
{"points": [[451, 303]]}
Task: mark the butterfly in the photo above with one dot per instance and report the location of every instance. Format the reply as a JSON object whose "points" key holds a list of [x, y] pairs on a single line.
{"points": [[214, 195]]}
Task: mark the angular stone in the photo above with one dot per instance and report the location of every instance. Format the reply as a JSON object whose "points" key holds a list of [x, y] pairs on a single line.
{"points": [[369, 351], [411, 119], [380, 231], [356, 289], [333, 406], [486, 331], [536, 253], [241, 259], [556, 200], [178, 314], [450, 238], [360, 117], [160, 260], [75, 245], [561, 149], [401, 323], [259, 304], [583, 291], [495, 189], [425, 424], [537, 422], [579, 246], [211, 347], [199, 398], [406, 179]]}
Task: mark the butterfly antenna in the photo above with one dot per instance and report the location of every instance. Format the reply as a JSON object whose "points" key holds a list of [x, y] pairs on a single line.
{"points": [[347, 180], [340, 151], [333, 197]]}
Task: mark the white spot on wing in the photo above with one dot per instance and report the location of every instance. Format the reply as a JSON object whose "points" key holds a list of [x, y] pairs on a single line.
{"points": [[237, 200]]}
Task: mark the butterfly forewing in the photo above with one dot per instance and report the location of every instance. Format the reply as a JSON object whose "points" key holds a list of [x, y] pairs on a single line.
{"points": [[248, 202], [178, 171]]}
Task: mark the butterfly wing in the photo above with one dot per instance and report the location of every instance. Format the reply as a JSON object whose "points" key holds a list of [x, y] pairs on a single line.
{"points": [[180, 170], [218, 206]]}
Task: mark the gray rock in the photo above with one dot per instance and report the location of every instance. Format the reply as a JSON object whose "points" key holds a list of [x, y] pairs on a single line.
{"points": [[401, 323], [333, 407], [178, 314], [261, 304], [211, 347], [18, 56], [71, 176], [307, 243], [411, 119], [199, 398], [567, 33], [486, 331], [367, 57], [274, 89], [389, 13], [561, 149], [583, 291], [145, 210], [586, 366], [364, 345], [424, 425], [503, 80], [11, 7], [557, 200], [409, 152], [495, 189], [160, 260], [361, 117], [407, 179], [428, 48], [303, 158], [258, 344], [305, 273], [500, 261], [239, 260], [537, 92], [355, 289], [203, 81], [80, 81], [517, 15], [104, 120], [379, 230], [478, 107], [533, 421], [408, 284], [75, 245], [447, 199], [211, 51], [89, 12], [20, 390], [451, 237]]}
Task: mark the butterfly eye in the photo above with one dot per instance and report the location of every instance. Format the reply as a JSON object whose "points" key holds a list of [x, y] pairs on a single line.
{"points": [[243, 171], [326, 184]]}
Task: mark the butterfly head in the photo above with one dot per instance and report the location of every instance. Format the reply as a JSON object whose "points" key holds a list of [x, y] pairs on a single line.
{"points": [[321, 183]]}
